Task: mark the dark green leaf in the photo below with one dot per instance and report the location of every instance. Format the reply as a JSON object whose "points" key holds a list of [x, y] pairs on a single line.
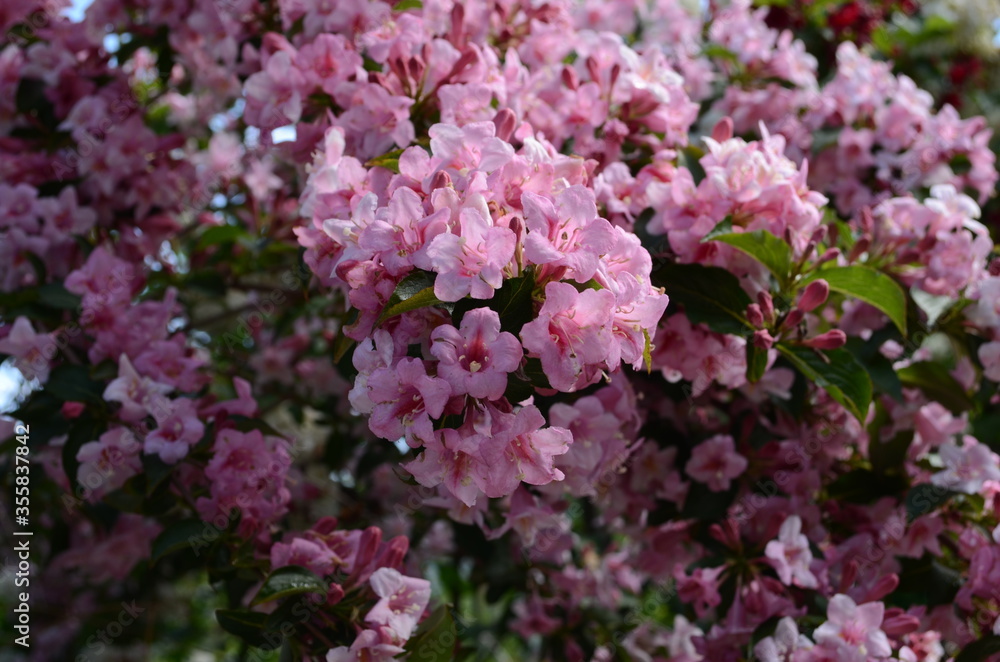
{"points": [[72, 383], [764, 247], [220, 234], [178, 536], [689, 157], [756, 362], [512, 303], [725, 226], [247, 625], [937, 384], [389, 160], [412, 293], [55, 295], [871, 286], [889, 455], [924, 581], [286, 581], [403, 5], [435, 638], [837, 372], [865, 486], [710, 295], [925, 498], [980, 650]]}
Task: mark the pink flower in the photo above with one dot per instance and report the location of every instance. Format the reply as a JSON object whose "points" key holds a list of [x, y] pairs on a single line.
{"points": [[401, 233], [306, 553], [404, 400], [476, 358], [274, 95], [370, 646], [178, 428], [473, 261], [781, 646], [966, 467], [247, 471], [715, 462], [700, 589], [402, 603], [790, 554], [571, 335], [107, 463], [854, 630], [989, 354], [566, 231], [136, 394], [32, 352]]}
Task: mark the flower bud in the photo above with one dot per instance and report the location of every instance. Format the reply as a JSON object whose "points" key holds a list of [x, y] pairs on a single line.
{"points": [[829, 254], [814, 295], [762, 339], [899, 623], [766, 305], [325, 525], [793, 318], [883, 587], [505, 122], [829, 340], [440, 179], [334, 594], [755, 316], [723, 130]]}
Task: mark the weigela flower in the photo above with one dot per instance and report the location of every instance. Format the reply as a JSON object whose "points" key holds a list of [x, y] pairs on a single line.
{"points": [[476, 357]]}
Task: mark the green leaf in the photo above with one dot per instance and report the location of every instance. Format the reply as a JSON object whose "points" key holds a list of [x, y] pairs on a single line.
{"points": [[764, 247], [389, 160], [689, 157], [286, 581], [865, 486], [220, 234], [837, 372], [889, 455], [72, 383], [178, 536], [55, 295], [925, 498], [435, 638], [924, 581], [756, 362], [937, 384], [869, 285], [403, 5], [710, 295], [980, 650], [247, 625], [512, 302], [412, 293], [647, 351], [725, 226]]}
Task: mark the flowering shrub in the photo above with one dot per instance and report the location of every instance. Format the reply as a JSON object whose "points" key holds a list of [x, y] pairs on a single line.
{"points": [[440, 330]]}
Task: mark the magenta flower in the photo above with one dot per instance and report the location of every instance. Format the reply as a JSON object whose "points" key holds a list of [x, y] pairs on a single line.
{"points": [[370, 646], [404, 400], [136, 394], [32, 351], [476, 358], [716, 463], [567, 232], [401, 232], [402, 603], [178, 428], [473, 261], [854, 630], [790, 554], [571, 335]]}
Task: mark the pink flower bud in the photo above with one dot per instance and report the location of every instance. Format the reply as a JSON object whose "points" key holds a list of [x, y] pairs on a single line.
{"points": [[762, 339], [755, 316], [440, 179], [72, 409], [766, 305], [793, 318], [569, 78], [897, 623], [325, 526], [829, 340], [830, 254], [334, 594], [505, 122], [814, 295], [883, 587], [723, 130]]}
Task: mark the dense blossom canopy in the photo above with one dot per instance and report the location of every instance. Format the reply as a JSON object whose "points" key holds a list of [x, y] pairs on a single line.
{"points": [[455, 329]]}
